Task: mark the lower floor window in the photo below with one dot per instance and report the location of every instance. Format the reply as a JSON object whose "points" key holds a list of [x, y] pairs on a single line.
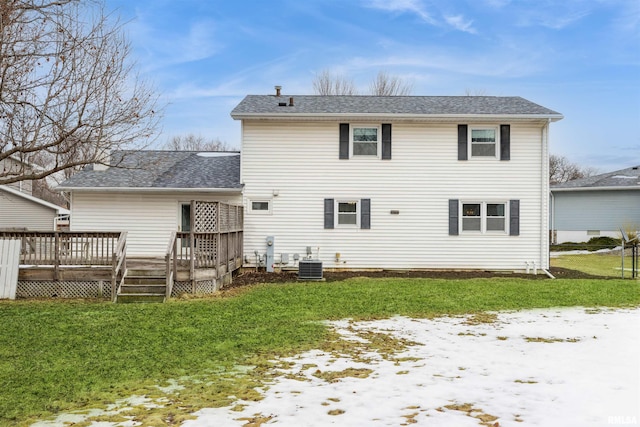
{"points": [[483, 217], [260, 206], [348, 213]]}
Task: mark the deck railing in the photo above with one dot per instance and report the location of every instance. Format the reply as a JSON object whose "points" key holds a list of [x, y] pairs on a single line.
{"points": [[65, 247], [215, 239], [118, 265], [68, 249], [171, 261]]}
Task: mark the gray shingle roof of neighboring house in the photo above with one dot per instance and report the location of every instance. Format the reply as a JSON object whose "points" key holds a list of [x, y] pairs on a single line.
{"points": [[425, 106], [162, 170], [628, 178]]}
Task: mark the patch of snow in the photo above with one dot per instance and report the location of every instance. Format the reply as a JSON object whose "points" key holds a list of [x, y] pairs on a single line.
{"points": [[556, 254], [530, 368]]}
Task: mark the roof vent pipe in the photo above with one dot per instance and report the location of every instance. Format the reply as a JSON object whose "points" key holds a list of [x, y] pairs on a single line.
{"points": [[291, 102], [278, 89]]}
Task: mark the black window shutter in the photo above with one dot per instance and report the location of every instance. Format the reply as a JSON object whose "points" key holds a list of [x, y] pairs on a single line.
{"points": [[344, 140], [365, 214], [453, 217], [328, 213], [505, 142], [462, 142], [386, 141], [514, 217]]}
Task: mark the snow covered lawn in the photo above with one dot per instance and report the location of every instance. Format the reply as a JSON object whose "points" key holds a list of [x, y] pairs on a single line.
{"points": [[558, 367]]}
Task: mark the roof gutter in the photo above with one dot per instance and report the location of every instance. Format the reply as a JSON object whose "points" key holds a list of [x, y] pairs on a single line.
{"points": [[616, 188], [423, 117], [148, 190]]}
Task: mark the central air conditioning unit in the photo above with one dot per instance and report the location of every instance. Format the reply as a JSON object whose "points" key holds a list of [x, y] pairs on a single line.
{"points": [[310, 270]]}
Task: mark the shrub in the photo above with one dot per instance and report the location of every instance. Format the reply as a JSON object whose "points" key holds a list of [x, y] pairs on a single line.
{"points": [[594, 244]]}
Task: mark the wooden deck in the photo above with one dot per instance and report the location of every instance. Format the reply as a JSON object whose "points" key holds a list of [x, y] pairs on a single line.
{"points": [[198, 261]]}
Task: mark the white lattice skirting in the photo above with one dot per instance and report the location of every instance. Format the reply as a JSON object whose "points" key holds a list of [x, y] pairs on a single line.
{"points": [[63, 289], [202, 287]]}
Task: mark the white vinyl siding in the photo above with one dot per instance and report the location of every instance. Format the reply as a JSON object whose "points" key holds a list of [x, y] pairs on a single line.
{"points": [[148, 218], [300, 159], [576, 212], [17, 212]]}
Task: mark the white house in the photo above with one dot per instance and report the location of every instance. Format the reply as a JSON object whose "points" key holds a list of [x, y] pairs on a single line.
{"points": [[419, 182], [596, 206], [21, 210], [148, 194]]}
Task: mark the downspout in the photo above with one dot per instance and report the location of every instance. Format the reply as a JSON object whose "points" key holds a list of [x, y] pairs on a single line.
{"points": [[544, 214], [552, 209]]}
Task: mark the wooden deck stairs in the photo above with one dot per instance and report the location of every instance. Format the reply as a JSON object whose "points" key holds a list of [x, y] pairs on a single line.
{"points": [[144, 282]]}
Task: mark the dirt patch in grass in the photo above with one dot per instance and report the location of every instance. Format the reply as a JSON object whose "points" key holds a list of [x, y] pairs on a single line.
{"points": [[254, 277]]}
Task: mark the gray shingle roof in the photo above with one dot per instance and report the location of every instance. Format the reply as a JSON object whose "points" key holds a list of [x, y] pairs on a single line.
{"points": [[623, 178], [256, 105], [163, 169]]}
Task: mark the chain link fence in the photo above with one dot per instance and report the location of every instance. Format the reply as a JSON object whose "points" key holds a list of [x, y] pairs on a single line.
{"points": [[602, 257]]}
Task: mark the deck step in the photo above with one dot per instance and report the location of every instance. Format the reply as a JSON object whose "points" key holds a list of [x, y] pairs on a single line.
{"points": [[145, 280], [143, 285], [154, 289], [146, 272]]}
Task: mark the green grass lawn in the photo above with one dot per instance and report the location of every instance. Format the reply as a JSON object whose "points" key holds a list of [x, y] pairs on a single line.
{"points": [[605, 265], [57, 356]]}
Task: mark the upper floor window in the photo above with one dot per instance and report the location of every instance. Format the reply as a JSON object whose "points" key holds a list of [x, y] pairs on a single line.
{"points": [[484, 142], [365, 141], [373, 141]]}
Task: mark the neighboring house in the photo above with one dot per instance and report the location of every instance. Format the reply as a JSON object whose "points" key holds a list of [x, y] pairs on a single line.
{"points": [[596, 206], [13, 166], [418, 182], [148, 194], [19, 210]]}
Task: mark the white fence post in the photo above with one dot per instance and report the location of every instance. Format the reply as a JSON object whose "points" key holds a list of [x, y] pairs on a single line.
{"points": [[9, 266]]}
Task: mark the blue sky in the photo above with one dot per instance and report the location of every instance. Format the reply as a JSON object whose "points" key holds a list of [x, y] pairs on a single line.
{"points": [[580, 58]]}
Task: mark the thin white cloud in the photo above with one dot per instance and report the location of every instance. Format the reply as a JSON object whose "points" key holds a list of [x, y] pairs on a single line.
{"points": [[552, 15], [417, 7], [412, 6], [459, 23]]}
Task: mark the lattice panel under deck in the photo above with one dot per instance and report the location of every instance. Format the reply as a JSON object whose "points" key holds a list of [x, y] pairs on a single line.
{"points": [[63, 289], [202, 287]]}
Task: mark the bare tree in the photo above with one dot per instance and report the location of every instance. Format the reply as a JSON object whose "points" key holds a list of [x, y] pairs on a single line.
{"points": [[193, 142], [384, 84], [562, 169], [326, 83], [68, 93], [475, 92], [387, 85]]}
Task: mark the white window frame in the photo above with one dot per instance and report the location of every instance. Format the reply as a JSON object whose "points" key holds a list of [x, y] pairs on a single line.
{"points": [[484, 216], [260, 211], [378, 128], [462, 216], [495, 129], [337, 213]]}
